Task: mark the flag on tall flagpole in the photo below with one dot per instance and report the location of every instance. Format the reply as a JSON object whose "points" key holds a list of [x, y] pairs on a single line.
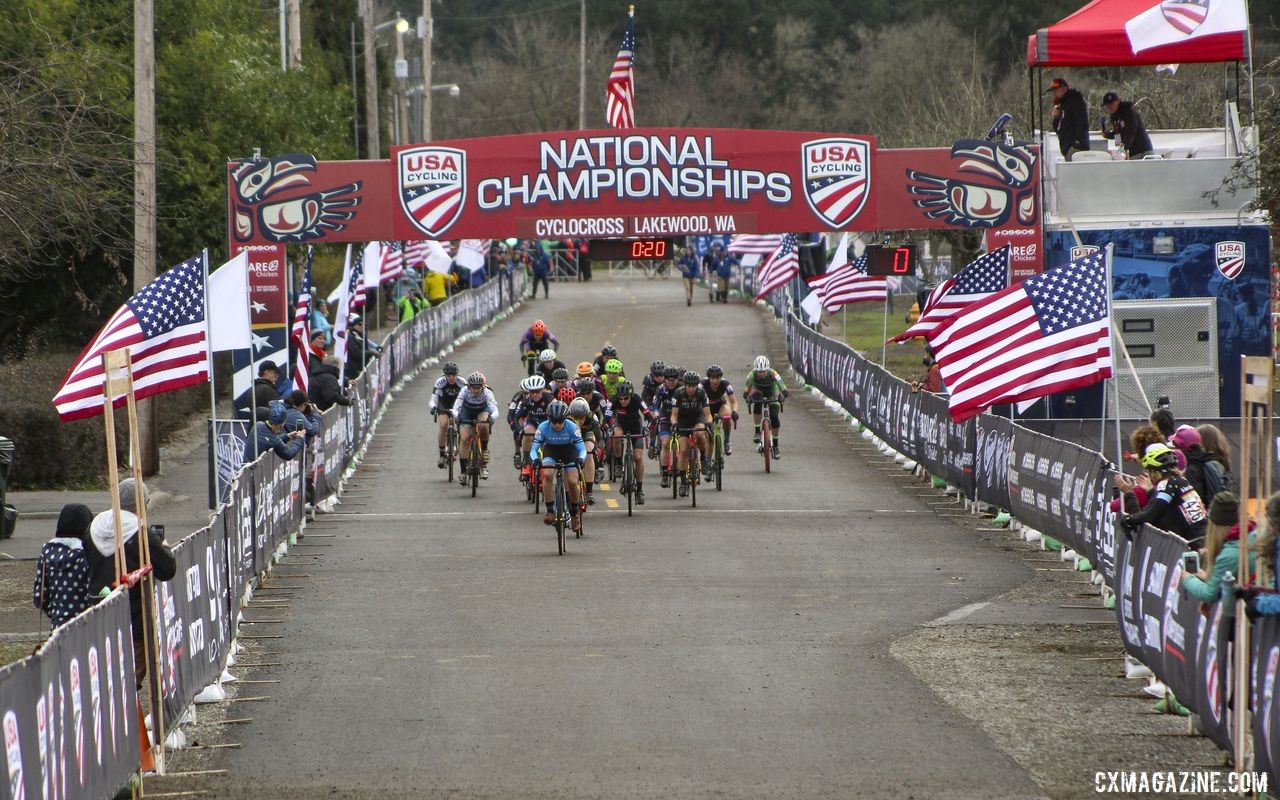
{"points": [[301, 331], [1048, 334], [619, 104], [985, 275], [852, 284], [782, 265], [392, 261], [163, 326], [229, 306], [356, 288], [758, 244], [472, 253], [342, 296], [415, 253]]}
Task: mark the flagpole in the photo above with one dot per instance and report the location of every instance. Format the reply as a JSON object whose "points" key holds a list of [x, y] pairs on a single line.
{"points": [[884, 338], [1115, 385], [213, 393]]}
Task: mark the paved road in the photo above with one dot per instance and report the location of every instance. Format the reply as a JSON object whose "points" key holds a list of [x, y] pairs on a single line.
{"points": [[441, 648]]}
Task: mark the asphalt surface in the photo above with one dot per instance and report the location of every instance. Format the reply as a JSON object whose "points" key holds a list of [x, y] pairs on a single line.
{"points": [[436, 645]]}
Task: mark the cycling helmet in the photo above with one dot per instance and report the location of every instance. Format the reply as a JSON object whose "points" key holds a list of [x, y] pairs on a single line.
{"points": [[692, 379], [566, 395], [476, 379], [579, 408], [560, 374], [450, 368], [539, 327], [533, 383], [1159, 457], [714, 371], [626, 389], [585, 369], [557, 411], [670, 372], [547, 356], [585, 385], [656, 368], [762, 364], [613, 366], [609, 351]]}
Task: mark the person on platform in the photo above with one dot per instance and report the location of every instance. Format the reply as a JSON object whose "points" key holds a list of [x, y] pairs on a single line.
{"points": [[1070, 118], [320, 320], [1126, 125]]}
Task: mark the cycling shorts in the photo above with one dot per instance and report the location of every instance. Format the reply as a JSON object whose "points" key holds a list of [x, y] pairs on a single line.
{"points": [[470, 416], [559, 453]]}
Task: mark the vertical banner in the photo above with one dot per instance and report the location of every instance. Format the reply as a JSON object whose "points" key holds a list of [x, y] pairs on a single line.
{"points": [[268, 317]]}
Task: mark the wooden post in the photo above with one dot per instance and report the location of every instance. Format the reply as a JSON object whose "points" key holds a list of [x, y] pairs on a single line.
{"points": [[582, 66], [427, 34], [371, 128], [295, 34], [144, 191]]}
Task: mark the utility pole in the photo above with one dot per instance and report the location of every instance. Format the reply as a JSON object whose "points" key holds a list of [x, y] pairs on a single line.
{"points": [[371, 132], [402, 74], [582, 68], [295, 34], [427, 32], [284, 38], [144, 197]]}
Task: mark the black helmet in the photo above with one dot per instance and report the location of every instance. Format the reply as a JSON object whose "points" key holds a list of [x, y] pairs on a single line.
{"points": [[656, 368], [560, 374], [714, 371], [609, 351], [450, 368], [558, 411], [692, 378], [626, 389], [476, 379], [671, 372], [585, 385]]}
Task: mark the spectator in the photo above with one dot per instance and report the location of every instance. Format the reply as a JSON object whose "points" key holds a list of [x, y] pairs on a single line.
{"points": [[437, 286], [320, 320], [1070, 118], [300, 415], [61, 588], [690, 271], [1205, 471], [316, 350], [1172, 504], [1221, 550], [269, 434], [931, 381], [583, 247], [1126, 125], [504, 271], [1162, 419], [264, 386], [326, 385], [724, 271], [1267, 602], [410, 303], [360, 351], [541, 264], [101, 548], [1215, 441]]}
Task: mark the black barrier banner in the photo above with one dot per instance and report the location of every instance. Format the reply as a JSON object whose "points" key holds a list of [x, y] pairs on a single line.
{"points": [[994, 443], [194, 629], [1102, 533], [69, 713], [1213, 669], [226, 456], [1054, 487], [1266, 697], [944, 447]]}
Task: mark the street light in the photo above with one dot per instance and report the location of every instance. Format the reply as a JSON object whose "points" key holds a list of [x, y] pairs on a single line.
{"points": [[453, 89], [401, 26]]}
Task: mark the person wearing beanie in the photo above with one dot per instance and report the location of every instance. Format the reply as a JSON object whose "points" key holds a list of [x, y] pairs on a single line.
{"points": [[61, 588], [1221, 549], [1204, 470], [269, 434], [1172, 504]]}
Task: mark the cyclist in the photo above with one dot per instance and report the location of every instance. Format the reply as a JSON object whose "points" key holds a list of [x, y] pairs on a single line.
{"points": [[724, 404], [558, 441], [475, 409], [531, 413], [580, 413], [607, 352], [629, 415], [690, 415], [560, 380], [517, 427], [447, 388], [613, 375], [547, 366], [536, 339], [764, 384], [651, 381], [662, 402], [587, 371]]}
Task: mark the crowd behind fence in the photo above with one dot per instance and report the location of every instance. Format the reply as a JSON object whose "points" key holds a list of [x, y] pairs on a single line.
{"points": [[69, 710]]}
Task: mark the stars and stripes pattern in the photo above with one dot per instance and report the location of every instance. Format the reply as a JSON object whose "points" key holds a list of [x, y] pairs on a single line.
{"points": [[619, 102], [355, 289], [392, 265], [985, 275], [300, 334], [434, 205], [415, 253], [163, 326], [757, 244], [1050, 333], [782, 265], [850, 284], [1185, 15], [836, 198]]}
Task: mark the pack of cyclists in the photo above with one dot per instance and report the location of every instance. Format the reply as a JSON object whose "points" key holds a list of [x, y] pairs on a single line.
{"points": [[581, 421]]}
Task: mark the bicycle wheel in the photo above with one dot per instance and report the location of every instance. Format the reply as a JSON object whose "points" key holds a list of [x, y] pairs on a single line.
{"points": [[473, 466], [537, 490], [766, 436], [561, 512], [695, 474], [629, 480], [451, 448]]}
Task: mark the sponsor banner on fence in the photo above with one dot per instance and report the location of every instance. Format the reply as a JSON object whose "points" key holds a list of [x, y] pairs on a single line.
{"points": [[994, 443], [1266, 697], [1055, 486], [944, 447]]}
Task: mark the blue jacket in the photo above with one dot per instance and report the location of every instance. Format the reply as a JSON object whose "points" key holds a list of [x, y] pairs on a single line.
{"points": [[319, 322], [295, 420], [265, 439], [689, 267], [724, 266], [541, 265], [569, 434]]}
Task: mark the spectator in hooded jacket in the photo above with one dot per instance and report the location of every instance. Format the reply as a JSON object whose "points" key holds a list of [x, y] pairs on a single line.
{"points": [[61, 587], [1070, 118], [300, 415], [269, 434], [1205, 471], [1127, 124], [326, 389], [1221, 549]]}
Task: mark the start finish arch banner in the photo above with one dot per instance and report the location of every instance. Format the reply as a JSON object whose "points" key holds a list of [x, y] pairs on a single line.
{"points": [[601, 183]]}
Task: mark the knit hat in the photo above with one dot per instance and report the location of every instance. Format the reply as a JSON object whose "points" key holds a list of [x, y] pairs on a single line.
{"points": [[129, 495], [1225, 509], [73, 521], [1186, 437]]}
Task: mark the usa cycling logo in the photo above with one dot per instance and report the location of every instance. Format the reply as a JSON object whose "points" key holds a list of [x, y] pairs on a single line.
{"points": [[1229, 256], [837, 178], [1081, 250], [432, 185]]}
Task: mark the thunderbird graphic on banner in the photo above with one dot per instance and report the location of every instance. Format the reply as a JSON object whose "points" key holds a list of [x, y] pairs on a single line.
{"points": [[1174, 21], [432, 186], [257, 210], [837, 178], [1001, 190]]}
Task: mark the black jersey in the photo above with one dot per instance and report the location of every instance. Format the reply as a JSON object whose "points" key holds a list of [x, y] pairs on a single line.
{"points": [[534, 412], [445, 393], [648, 387], [631, 416], [716, 397], [688, 408]]}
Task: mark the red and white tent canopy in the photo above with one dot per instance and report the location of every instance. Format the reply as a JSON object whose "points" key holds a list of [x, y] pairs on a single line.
{"points": [[1114, 33]]}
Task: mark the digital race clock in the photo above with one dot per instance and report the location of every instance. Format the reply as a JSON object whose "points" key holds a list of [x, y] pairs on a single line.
{"points": [[632, 249], [886, 261]]}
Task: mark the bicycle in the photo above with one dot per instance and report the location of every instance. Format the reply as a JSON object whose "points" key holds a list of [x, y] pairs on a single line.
{"points": [[766, 428], [628, 484], [451, 445], [474, 464], [693, 467], [717, 451], [562, 514], [673, 452], [530, 361]]}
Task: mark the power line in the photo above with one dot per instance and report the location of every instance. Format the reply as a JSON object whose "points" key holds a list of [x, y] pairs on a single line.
{"points": [[509, 15]]}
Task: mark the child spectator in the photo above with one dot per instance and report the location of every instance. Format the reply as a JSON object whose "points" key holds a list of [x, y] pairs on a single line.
{"points": [[61, 587]]}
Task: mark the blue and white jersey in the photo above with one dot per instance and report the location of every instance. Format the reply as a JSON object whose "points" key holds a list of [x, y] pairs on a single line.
{"points": [[476, 404], [569, 435]]}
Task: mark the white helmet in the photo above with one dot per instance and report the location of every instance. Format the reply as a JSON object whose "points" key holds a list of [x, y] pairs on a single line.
{"points": [[533, 383], [762, 364], [547, 356], [579, 407]]}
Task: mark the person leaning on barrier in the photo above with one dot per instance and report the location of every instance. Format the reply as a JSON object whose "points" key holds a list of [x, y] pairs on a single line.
{"points": [[359, 351], [102, 569], [1265, 600], [269, 434], [1205, 470], [1172, 504], [326, 388], [61, 588], [301, 415], [1221, 549]]}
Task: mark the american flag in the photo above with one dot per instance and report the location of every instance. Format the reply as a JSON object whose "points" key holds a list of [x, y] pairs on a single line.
{"points": [[1047, 334], [392, 261], [619, 104], [781, 266], [355, 289], [986, 274], [415, 253], [163, 326], [759, 244], [851, 284], [301, 332]]}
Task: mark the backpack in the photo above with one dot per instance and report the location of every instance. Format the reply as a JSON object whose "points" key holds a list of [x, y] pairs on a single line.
{"points": [[1216, 479], [61, 586]]}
